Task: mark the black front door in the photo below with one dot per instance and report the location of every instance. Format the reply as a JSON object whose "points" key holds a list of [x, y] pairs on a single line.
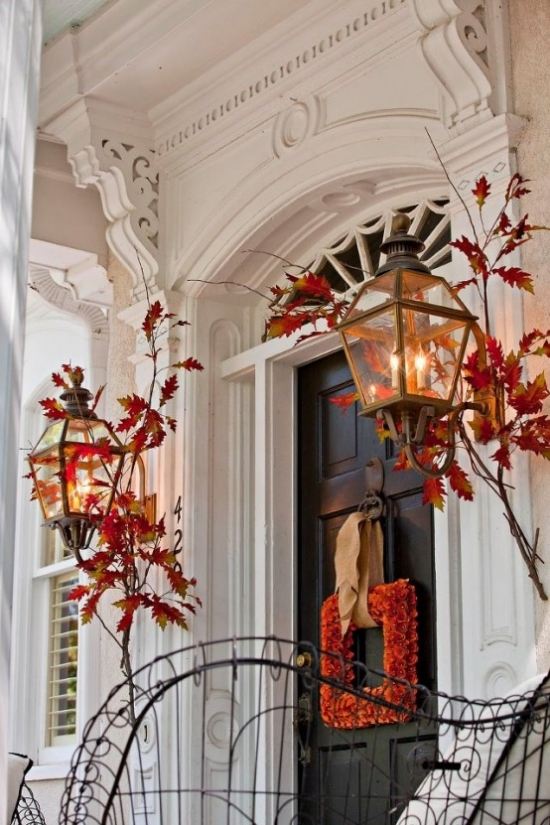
{"points": [[335, 446]]}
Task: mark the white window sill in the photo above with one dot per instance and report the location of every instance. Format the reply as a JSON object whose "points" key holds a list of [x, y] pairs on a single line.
{"points": [[38, 773]]}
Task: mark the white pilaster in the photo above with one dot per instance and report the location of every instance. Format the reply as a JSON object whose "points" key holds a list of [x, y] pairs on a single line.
{"points": [[20, 41], [497, 596]]}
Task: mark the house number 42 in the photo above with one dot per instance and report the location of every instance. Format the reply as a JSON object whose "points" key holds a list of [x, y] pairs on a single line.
{"points": [[178, 534]]}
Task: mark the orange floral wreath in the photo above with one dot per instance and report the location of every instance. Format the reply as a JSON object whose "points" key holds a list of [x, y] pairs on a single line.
{"points": [[393, 606]]}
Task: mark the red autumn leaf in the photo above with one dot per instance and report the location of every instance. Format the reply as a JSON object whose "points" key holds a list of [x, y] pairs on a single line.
{"points": [[168, 389], [153, 426], [74, 374], [477, 375], [511, 373], [475, 255], [97, 397], [434, 493], [528, 398], [503, 225], [483, 428], [164, 613], [502, 455], [152, 319], [529, 338], [128, 605], [78, 592], [481, 190], [53, 409], [59, 381], [188, 364], [495, 352], [460, 482], [515, 188], [456, 288], [345, 400], [314, 285], [134, 406], [178, 582], [285, 325], [515, 276]]}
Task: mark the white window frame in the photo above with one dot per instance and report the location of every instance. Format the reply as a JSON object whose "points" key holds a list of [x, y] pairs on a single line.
{"points": [[31, 630]]}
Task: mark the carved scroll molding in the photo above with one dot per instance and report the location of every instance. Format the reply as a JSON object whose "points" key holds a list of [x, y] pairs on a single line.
{"points": [[459, 48], [112, 152], [62, 298]]}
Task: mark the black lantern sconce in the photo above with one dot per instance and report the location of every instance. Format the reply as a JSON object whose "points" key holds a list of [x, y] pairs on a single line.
{"points": [[405, 336]]}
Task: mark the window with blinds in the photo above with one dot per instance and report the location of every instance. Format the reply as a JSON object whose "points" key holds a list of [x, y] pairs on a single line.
{"points": [[62, 661]]}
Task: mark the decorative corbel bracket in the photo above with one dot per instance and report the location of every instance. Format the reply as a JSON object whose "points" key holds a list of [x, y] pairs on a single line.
{"points": [[456, 46], [111, 151]]}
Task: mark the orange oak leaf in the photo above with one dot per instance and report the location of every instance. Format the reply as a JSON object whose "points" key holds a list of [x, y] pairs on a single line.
{"points": [[434, 493], [483, 428], [53, 409], [152, 318], [481, 190], [460, 482], [477, 259], [528, 398], [188, 364], [515, 276], [59, 381], [345, 400], [168, 389]]}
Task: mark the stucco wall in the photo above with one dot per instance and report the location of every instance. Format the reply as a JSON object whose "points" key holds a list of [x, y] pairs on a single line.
{"points": [[530, 32]]}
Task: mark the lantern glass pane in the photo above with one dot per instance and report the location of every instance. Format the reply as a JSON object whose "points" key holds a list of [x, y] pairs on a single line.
{"points": [[88, 430], [430, 289], [47, 482], [371, 349], [90, 474], [51, 436], [375, 293], [433, 346]]}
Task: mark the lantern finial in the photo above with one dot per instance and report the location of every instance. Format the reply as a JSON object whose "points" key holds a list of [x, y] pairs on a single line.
{"points": [[76, 398], [401, 249]]}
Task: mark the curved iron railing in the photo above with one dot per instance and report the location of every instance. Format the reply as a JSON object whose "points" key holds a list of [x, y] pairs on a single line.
{"points": [[227, 732]]}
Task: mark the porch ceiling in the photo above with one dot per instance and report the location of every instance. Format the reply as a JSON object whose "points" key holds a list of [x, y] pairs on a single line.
{"points": [[137, 53], [62, 14]]}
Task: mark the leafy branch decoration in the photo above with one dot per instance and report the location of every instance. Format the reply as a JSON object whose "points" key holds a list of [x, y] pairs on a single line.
{"points": [[519, 422]]}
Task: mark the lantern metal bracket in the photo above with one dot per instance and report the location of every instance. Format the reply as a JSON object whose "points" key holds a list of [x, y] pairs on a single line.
{"points": [[409, 441]]}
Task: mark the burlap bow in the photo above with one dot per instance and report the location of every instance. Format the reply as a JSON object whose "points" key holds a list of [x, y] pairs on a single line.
{"points": [[359, 564]]}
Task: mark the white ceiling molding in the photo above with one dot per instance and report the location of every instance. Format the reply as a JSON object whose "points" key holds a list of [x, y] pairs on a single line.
{"points": [[60, 297], [76, 269], [108, 148]]}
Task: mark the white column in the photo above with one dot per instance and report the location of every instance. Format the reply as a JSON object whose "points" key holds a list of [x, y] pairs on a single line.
{"points": [[20, 42]]}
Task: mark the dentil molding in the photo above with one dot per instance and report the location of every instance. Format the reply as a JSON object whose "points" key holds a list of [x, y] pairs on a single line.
{"points": [[110, 149]]}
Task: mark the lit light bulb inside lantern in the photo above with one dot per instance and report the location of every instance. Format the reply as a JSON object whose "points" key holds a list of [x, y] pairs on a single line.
{"points": [[420, 367], [394, 365], [372, 393], [81, 491]]}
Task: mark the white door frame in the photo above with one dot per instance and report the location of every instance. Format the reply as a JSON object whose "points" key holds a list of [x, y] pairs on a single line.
{"points": [[272, 367]]}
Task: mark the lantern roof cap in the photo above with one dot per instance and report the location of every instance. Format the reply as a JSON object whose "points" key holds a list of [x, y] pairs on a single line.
{"points": [[76, 398], [402, 249]]}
